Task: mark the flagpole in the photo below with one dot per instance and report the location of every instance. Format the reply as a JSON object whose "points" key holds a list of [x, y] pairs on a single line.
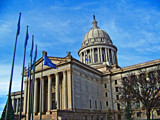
{"points": [[33, 79], [41, 89], [26, 93], [10, 84], [25, 44], [29, 114]]}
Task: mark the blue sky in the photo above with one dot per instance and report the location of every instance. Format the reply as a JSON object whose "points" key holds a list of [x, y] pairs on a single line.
{"points": [[60, 25]]}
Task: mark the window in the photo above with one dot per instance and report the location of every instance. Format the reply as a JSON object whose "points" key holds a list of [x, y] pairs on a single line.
{"points": [[90, 103], [116, 89], [115, 82], [138, 114], [105, 85], [85, 117], [158, 112], [119, 116], [95, 104], [106, 103], [100, 105], [118, 106], [137, 104], [125, 79], [117, 96], [106, 94]]}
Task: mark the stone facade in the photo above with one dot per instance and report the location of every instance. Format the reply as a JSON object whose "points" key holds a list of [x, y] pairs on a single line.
{"points": [[85, 89]]}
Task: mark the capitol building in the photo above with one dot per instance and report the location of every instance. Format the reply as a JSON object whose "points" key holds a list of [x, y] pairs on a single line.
{"points": [[83, 89]]}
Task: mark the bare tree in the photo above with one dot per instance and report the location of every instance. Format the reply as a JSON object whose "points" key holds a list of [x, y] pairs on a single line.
{"points": [[144, 88]]}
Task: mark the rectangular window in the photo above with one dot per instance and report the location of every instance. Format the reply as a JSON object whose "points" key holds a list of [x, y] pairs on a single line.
{"points": [[95, 104], [106, 94], [100, 105], [138, 114], [137, 104], [119, 116], [116, 89], [158, 112], [117, 96], [118, 106], [115, 82], [105, 85], [106, 103], [90, 103]]}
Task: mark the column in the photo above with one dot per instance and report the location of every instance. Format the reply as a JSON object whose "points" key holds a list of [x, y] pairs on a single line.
{"points": [[13, 103], [65, 89], [69, 89], [17, 107], [49, 93], [57, 90], [92, 55], [42, 95], [101, 54], [98, 55], [28, 97], [112, 56], [84, 57], [25, 95], [106, 54], [36, 96]]}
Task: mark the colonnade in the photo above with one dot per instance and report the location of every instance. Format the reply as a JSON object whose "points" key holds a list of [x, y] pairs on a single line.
{"points": [[98, 54], [56, 82], [16, 104]]}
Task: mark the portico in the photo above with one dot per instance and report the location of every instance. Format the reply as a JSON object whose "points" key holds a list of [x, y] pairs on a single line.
{"points": [[55, 91]]}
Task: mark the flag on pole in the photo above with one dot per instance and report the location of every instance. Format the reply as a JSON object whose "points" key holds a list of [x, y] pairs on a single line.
{"points": [[11, 76], [18, 25], [86, 57], [27, 37], [48, 62], [35, 56]]}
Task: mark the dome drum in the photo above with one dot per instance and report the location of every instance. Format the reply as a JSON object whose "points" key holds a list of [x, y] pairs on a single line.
{"points": [[98, 55]]}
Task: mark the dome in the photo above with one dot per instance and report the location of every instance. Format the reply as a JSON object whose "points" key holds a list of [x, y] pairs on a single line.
{"points": [[96, 36], [97, 48]]}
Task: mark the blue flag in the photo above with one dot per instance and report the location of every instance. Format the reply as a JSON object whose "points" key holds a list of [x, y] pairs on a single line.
{"points": [[86, 58], [32, 46], [35, 56], [27, 37], [18, 25], [48, 62]]}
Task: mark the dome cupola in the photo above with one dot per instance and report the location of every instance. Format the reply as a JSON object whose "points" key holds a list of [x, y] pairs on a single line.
{"points": [[97, 47]]}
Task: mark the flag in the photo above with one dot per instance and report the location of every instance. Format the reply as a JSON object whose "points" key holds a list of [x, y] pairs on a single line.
{"points": [[32, 46], [27, 37], [18, 25], [48, 62], [35, 56], [86, 58]]}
